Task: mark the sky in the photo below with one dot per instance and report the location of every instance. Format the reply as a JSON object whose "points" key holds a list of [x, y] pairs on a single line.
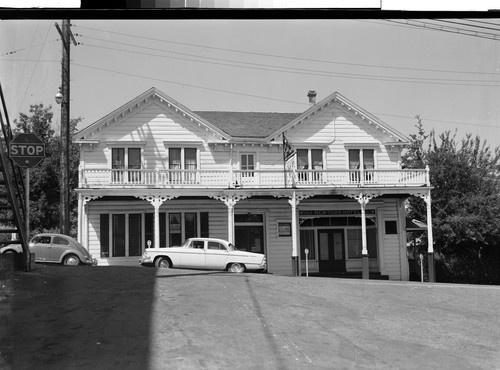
{"points": [[394, 69]]}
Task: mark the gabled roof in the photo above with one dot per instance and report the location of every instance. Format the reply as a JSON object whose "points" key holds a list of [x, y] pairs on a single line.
{"points": [[248, 124], [137, 104], [337, 98], [261, 126]]}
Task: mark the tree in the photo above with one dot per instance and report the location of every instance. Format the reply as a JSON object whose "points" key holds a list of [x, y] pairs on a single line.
{"points": [[45, 178], [465, 204]]}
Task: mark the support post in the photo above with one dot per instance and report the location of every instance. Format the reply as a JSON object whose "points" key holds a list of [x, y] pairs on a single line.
{"points": [[295, 247], [365, 260], [430, 240], [27, 258], [230, 221], [65, 90]]}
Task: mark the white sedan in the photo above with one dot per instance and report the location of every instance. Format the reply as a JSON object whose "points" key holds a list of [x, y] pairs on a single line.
{"points": [[204, 253]]}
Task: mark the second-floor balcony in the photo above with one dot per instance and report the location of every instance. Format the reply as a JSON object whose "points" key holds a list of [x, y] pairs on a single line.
{"points": [[260, 179]]}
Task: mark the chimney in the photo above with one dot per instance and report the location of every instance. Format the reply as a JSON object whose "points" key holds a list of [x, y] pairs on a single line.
{"points": [[312, 98]]}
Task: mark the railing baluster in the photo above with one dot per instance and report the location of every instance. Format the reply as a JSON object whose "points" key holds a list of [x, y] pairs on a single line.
{"points": [[268, 178]]}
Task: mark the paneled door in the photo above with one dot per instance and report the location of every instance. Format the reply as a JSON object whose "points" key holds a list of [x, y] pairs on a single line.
{"points": [[331, 251]]}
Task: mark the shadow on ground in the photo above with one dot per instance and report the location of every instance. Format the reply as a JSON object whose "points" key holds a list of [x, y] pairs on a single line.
{"points": [[80, 319]]}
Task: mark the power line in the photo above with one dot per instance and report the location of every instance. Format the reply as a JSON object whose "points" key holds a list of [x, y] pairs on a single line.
{"points": [[272, 55], [284, 69], [437, 27], [27, 48], [468, 25], [265, 97], [34, 69], [439, 121], [184, 84]]}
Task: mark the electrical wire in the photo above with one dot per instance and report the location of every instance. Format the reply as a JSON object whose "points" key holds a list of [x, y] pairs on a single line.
{"points": [[266, 97], [184, 84], [283, 69], [267, 54], [27, 48], [34, 68], [437, 27]]}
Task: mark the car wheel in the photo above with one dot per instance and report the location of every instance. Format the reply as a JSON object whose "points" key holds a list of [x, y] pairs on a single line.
{"points": [[9, 252], [237, 267], [162, 263], [71, 260]]}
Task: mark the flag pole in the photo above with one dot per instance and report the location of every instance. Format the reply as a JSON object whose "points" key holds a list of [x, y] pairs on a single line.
{"points": [[284, 160]]}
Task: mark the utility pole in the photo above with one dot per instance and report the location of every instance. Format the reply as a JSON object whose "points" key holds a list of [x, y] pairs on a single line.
{"points": [[66, 35]]}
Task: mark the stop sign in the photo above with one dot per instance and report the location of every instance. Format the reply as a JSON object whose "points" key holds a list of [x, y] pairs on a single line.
{"points": [[27, 150]]}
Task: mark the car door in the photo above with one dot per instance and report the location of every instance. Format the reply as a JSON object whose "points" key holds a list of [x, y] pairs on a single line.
{"points": [[59, 246], [193, 255], [40, 246], [216, 255]]}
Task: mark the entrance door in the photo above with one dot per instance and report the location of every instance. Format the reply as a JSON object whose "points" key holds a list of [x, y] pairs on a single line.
{"points": [[331, 251]]}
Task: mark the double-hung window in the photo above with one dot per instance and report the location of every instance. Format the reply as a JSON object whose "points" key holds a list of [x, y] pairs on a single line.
{"points": [[247, 165], [361, 159], [310, 164], [126, 160], [183, 165]]}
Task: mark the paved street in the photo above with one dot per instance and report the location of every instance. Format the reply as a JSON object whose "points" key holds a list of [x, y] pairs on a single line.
{"points": [[58, 317]]}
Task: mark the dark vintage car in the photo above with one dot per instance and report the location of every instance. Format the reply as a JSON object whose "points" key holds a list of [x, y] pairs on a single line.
{"points": [[55, 248]]}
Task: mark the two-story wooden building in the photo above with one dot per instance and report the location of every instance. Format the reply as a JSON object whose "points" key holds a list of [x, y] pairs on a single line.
{"points": [[153, 172]]}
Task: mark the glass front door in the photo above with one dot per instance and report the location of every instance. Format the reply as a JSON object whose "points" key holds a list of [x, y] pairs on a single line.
{"points": [[331, 251]]}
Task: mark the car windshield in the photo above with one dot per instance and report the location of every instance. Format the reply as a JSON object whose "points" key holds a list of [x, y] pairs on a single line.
{"points": [[185, 244]]}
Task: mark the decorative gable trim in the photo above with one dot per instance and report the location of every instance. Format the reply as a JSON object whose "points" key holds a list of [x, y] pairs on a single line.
{"points": [[150, 96], [348, 106]]}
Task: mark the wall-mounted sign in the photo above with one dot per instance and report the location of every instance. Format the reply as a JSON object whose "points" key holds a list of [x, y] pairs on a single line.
{"points": [[284, 229], [336, 212]]}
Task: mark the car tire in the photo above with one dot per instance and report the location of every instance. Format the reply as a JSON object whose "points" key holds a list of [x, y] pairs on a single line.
{"points": [[71, 260], [162, 263], [237, 268]]}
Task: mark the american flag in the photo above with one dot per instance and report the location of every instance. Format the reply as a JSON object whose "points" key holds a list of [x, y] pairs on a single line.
{"points": [[288, 152], [289, 162]]}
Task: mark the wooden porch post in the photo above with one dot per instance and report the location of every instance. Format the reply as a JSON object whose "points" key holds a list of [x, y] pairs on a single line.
{"points": [[80, 218], [365, 261], [230, 221], [295, 242], [156, 201], [430, 240]]}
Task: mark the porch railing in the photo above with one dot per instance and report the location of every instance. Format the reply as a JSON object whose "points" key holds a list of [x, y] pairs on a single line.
{"points": [[109, 178]]}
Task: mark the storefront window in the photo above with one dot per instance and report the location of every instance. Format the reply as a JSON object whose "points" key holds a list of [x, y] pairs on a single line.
{"points": [[175, 228], [307, 241]]}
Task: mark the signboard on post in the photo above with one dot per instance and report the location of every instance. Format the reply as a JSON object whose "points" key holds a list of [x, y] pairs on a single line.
{"points": [[27, 150]]}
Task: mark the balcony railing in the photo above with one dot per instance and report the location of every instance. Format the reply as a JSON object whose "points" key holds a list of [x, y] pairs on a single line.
{"points": [[107, 178]]}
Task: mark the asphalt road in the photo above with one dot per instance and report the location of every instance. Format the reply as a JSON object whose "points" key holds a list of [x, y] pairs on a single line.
{"points": [[58, 317]]}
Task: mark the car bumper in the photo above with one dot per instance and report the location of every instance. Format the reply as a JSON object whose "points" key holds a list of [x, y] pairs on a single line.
{"points": [[146, 261]]}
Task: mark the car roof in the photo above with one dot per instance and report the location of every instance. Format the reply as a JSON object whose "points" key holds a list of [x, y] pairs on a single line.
{"points": [[55, 234], [210, 240]]}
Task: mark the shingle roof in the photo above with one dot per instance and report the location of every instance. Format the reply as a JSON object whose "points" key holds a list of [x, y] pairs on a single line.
{"points": [[248, 124]]}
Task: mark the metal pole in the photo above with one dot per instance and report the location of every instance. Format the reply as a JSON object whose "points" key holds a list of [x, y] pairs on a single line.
{"points": [[27, 220], [307, 262], [421, 268]]}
